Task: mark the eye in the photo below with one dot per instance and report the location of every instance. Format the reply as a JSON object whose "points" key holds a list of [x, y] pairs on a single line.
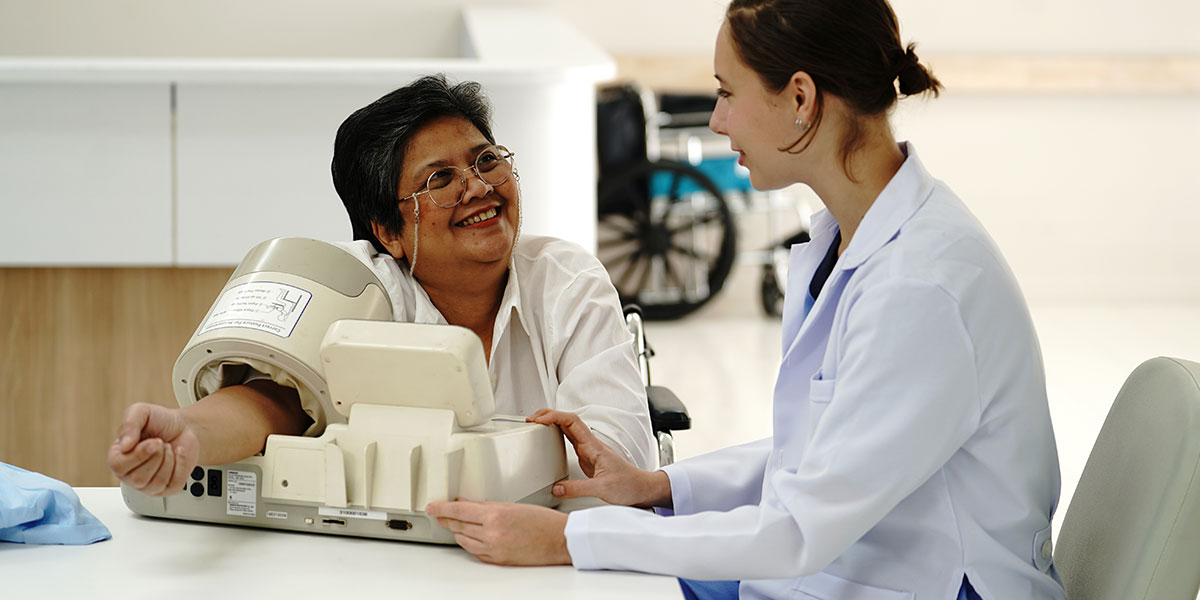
{"points": [[722, 93], [487, 160], [441, 178]]}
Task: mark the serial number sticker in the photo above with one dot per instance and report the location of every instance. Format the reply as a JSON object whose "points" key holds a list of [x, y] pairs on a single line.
{"points": [[352, 513], [276, 514], [241, 498]]}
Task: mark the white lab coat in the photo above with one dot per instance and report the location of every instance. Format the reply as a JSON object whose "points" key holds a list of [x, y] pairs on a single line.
{"points": [[912, 440]]}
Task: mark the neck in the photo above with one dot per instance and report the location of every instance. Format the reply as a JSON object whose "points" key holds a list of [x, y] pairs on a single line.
{"points": [[472, 299], [848, 199]]}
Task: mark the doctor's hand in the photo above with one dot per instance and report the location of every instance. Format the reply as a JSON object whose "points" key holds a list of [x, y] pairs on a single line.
{"points": [[611, 478], [505, 534], [155, 449]]}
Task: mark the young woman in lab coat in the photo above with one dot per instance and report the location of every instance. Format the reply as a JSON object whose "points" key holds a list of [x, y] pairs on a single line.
{"points": [[912, 454]]}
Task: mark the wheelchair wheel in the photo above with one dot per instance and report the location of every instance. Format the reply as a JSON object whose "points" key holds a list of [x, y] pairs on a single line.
{"points": [[774, 274], [666, 236]]}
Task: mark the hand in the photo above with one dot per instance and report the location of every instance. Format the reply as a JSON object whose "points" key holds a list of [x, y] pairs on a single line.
{"points": [[505, 534], [611, 478], [155, 450]]}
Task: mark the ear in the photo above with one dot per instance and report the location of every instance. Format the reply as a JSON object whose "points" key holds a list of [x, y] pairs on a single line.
{"points": [[803, 93], [390, 240]]}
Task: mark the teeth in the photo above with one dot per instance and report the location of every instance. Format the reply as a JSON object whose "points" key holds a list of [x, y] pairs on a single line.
{"points": [[483, 216]]}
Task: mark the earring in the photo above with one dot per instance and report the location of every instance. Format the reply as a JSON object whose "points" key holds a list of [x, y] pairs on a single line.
{"points": [[802, 125]]}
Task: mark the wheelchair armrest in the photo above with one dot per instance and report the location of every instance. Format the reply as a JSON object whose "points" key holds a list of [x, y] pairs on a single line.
{"points": [[667, 412]]}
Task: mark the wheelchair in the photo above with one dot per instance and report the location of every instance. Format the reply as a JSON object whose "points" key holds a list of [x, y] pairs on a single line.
{"points": [[666, 201], [667, 412]]}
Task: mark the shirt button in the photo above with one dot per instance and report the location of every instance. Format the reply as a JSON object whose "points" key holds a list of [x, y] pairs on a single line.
{"points": [[1047, 550]]}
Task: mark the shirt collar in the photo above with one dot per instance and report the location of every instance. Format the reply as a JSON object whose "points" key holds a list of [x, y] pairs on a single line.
{"points": [[510, 302], [424, 310], [896, 204]]}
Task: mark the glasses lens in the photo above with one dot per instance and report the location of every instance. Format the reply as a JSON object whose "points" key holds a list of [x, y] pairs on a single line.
{"points": [[494, 165], [445, 186]]}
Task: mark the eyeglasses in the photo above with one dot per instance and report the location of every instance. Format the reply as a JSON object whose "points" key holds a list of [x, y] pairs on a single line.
{"points": [[445, 186]]}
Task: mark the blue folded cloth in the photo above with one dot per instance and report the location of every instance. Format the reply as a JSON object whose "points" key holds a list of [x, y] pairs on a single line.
{"points": [[35, 509]]}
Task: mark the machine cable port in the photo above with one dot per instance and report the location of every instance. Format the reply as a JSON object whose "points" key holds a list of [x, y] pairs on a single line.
{"points": [[400, 524], [338, 522]]}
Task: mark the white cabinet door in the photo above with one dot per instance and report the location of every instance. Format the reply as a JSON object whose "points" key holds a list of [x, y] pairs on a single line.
{"points": [[85, 174]]}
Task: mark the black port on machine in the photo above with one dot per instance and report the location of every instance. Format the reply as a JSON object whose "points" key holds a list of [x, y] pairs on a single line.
{"points": [[214, 482], [338, 522], [400, 524]]}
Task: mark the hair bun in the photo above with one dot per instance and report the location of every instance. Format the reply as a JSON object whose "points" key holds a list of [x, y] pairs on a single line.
{"points": [[914, 78]]}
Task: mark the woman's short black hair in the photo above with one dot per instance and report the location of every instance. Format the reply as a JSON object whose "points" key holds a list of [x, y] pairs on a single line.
{"points": [[371, 143]]}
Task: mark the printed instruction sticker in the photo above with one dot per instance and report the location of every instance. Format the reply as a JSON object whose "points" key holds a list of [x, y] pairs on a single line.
{"points": [[353, 513], [262, 305], [241, 493]]}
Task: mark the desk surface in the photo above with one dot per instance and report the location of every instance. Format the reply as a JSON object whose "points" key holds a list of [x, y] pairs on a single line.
{"points": [[166, 558]]}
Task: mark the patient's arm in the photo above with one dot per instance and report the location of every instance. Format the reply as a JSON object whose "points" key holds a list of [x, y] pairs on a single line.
{"points": [[157, 447]]}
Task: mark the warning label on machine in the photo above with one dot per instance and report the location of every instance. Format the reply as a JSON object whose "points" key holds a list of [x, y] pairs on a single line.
{"points": [[262, 305], [241, 493]]}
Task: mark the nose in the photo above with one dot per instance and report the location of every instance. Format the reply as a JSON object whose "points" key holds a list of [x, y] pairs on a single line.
{"points": [[474, 186], [716, 122]]}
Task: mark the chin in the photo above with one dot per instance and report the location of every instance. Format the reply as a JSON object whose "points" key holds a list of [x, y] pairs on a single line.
{"points": [[762, 184]]}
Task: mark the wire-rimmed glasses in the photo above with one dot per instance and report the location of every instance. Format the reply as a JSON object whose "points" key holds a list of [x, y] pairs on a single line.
{"points": [[445, 186]]}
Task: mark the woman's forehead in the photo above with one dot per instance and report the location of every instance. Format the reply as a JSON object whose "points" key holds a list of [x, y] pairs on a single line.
{"points": [[444, 140]]}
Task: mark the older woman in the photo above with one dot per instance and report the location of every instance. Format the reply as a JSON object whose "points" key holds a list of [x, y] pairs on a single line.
{"points": [[435, 206]]}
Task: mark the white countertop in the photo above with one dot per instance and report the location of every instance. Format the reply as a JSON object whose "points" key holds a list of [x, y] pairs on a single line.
{"points": [[178, 559]]}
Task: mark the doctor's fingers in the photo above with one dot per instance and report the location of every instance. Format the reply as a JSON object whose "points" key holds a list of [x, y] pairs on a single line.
{"points": [[580, 488], [459, 510], [571, 424], [470, 530], [477, 548]]}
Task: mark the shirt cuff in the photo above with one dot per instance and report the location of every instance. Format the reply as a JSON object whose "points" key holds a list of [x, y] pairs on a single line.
{"points": [[681, 489], [578, 545]]}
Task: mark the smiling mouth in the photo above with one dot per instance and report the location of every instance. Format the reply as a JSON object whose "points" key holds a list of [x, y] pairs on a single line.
{"points": [[479, 217]]}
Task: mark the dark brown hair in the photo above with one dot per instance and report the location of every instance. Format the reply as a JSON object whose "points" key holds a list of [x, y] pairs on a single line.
{"points": [[850, 48]]}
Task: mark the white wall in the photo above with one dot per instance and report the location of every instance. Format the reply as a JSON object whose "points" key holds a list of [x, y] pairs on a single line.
{"points": [[1091, 196], [410, 28], [940, 26]]}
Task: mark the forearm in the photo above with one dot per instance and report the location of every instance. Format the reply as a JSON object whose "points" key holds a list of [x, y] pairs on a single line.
{"points": [[234, 422]]}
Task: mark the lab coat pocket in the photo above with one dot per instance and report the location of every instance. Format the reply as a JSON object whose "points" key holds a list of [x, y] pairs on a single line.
{"points": [[820, 390], [1043, 550], [824, 586]]}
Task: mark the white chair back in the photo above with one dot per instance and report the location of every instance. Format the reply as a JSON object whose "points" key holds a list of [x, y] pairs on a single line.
{"points": [[1132, 531]]}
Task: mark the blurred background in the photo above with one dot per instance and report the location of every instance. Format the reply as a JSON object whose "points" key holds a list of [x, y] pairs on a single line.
{"points": [[146, 145]]}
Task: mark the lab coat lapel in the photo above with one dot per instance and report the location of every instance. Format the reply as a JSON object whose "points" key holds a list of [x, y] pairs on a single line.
{"points": [[802, 264], [896, 204]]}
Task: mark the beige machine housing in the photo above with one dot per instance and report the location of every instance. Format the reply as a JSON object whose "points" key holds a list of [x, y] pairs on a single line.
{"points": [[403, 413]]}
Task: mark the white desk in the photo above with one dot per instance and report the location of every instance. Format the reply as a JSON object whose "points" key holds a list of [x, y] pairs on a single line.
{"points": [[177, 559]]}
